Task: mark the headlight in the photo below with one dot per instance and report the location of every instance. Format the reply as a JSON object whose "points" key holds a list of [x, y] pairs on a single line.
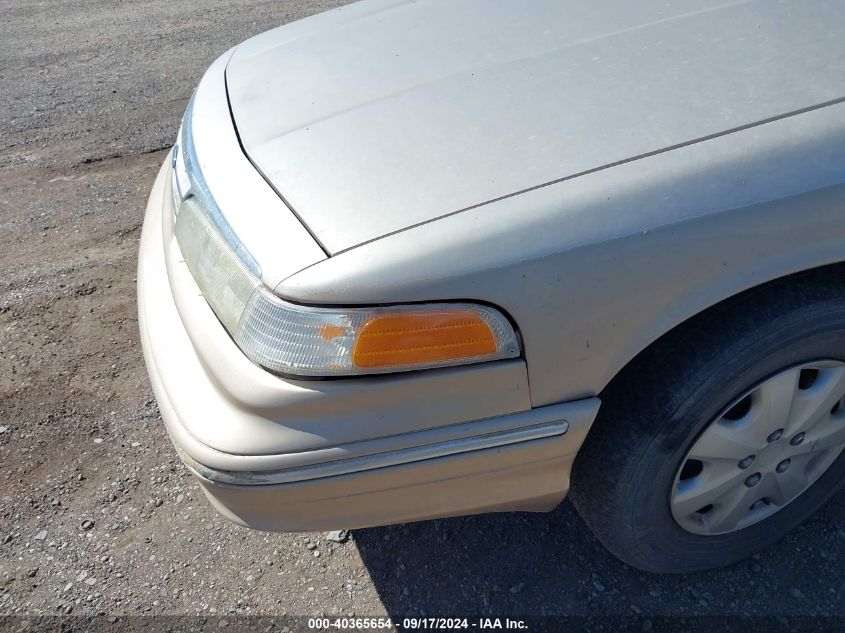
{"points": [[310, 341]]}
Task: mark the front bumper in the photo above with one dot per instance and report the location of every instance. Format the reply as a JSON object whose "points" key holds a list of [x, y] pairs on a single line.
{"points": [[278, 454]]}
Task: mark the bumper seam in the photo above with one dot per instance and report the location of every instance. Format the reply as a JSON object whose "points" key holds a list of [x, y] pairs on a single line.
{"points": [[378, 460]]}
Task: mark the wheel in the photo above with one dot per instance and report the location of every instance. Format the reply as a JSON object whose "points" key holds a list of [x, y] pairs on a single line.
{"points": [[723, 436]]}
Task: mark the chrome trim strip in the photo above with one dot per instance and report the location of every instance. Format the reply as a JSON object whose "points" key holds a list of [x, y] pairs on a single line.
{"points": [[378, 460]]}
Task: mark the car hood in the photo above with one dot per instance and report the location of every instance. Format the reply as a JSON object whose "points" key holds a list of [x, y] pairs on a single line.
{"points": [[385, 115]]}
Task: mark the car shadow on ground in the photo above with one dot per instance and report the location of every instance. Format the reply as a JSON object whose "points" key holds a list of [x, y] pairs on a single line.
{"points": [[550, 564]]}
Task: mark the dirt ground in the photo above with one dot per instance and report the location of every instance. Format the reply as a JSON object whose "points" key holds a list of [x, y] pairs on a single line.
{"points": [[97, 515]]}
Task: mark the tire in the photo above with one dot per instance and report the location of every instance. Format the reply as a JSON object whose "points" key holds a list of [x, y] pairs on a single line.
{"points": [[654, 411]]}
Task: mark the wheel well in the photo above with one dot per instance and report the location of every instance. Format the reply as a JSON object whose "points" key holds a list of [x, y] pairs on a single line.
{"points": [[830, 278], [625, 472]]}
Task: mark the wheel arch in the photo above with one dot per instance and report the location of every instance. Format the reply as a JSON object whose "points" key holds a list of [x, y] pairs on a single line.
{"points": [[831, 275], [659, 403]]}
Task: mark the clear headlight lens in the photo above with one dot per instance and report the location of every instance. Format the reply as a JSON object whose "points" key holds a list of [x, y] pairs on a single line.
{"points": [[310, 341]]}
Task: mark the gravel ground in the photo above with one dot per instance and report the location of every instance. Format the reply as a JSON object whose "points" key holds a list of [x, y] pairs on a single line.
{"points": [[97, 516]]}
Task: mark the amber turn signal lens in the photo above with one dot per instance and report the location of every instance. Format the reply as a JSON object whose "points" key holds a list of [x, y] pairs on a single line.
{"points": [[422, 338]]}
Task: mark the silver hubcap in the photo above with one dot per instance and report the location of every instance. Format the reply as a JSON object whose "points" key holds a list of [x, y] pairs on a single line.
{"points": [[763, 451]]}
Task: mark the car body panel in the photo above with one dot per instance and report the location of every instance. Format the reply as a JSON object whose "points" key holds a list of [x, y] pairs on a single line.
{"points": [[598, 267], [528, 477], [387, 115]]}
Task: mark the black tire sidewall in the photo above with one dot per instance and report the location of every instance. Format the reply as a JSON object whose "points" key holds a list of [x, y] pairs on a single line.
{"points": [[654, 540]]}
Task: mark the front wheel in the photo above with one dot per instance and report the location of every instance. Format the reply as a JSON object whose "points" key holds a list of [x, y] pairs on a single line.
{"points": [[723, 437]]}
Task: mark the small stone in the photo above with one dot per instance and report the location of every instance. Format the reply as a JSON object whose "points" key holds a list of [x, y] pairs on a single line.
{"points": [[40, 536], [180, 498], [91, 581], [222, 623], [337, 536], [310, 546], [98, 440], [3, 429], [654, 593], [598, 585], [795, 592], [136, 444], [81, 576], [517, 588], [8, 539], [635, 609], [316, 553], [756, 568], [32, 573], [87, 524]]}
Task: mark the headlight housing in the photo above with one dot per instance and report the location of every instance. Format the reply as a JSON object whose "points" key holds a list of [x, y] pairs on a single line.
{"points": [[298, 340]]}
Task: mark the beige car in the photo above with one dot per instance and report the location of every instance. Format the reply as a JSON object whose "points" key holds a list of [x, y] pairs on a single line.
{"points": [[424, 259]]}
